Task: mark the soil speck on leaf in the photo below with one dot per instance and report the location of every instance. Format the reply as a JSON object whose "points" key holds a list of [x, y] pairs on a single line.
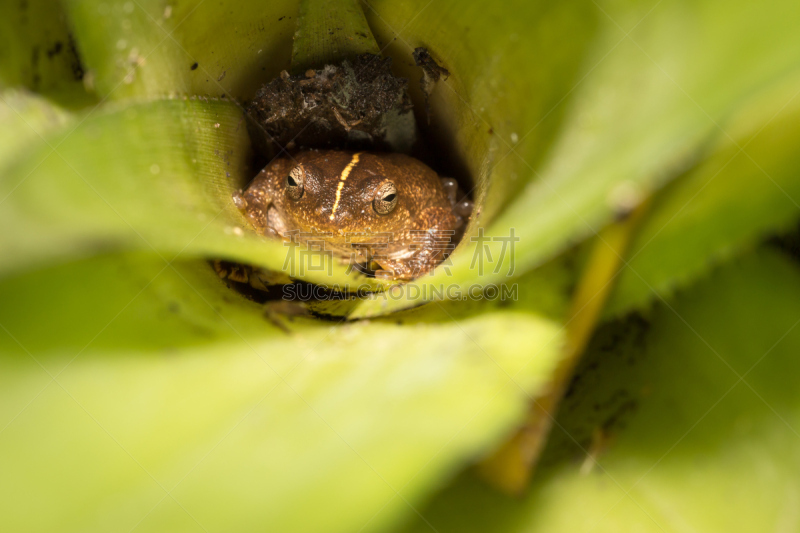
{"points": [[431, 73]]}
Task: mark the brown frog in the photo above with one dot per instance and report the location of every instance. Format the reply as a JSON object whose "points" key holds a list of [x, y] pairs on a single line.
{"points": [[383, 212]]}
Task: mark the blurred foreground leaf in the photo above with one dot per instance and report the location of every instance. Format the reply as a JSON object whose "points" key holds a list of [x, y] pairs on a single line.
{"points": [[692, 416], [139, 393]]}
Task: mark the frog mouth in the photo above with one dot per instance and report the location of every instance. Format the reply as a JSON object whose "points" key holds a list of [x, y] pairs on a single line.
{"points": [[362, 249], [359, 252]]}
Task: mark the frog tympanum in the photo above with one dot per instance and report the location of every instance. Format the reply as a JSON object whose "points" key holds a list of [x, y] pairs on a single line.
{"points": [[385, 212]]}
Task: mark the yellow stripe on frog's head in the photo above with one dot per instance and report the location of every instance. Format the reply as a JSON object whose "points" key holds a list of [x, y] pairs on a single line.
{"points": [[342, 178]]}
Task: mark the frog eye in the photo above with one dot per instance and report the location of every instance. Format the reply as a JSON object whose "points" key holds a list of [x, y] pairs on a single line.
{"points": [[385, 198], [295, 184]]}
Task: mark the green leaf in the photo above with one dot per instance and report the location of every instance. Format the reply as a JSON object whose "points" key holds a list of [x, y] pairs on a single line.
{"points": [[141, 395], [691, 414], [26, 118], [745, 190], [37, 52], [119, 178], [149, 48], [329, 31]]}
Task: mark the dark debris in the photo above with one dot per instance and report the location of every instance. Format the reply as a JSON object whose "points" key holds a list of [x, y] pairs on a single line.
{"points": [[358, 105]]}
